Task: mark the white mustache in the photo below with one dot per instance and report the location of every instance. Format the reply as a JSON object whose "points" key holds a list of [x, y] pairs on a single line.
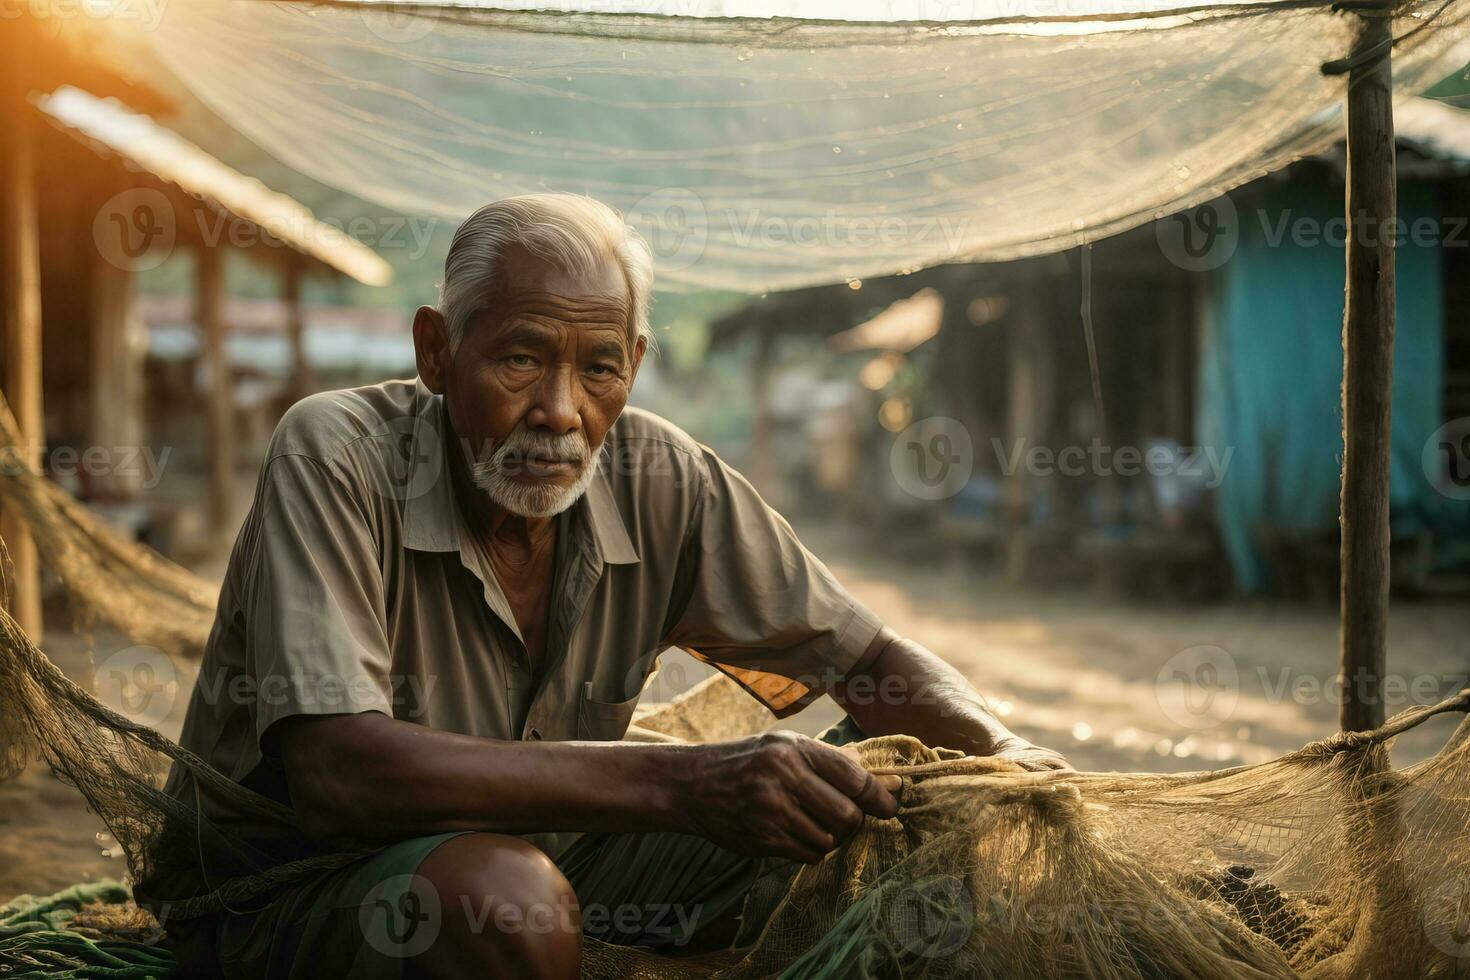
{"points": [[493, 474], [524, 444]]}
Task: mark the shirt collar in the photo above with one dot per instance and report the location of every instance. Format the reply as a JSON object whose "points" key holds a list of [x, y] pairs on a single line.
{"points": [[608, 528], [430, 515], [431, 520]]}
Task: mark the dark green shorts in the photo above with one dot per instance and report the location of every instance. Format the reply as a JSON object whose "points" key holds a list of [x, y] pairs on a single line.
{"points": [[663, 891], [672, 892]]}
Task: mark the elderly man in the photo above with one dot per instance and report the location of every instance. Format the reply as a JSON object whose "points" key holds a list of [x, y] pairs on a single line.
{"points": [[440, 612]]}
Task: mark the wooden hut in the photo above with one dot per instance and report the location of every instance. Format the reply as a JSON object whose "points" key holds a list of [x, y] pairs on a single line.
{"points": [[94, 192]]}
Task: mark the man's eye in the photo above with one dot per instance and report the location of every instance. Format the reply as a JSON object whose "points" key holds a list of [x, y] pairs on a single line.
{"points": [[602, 370], [521, 360]]}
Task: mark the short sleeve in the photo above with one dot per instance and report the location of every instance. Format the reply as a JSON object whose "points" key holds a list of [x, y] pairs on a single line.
{"points": [[315, 622], [760, 606]]}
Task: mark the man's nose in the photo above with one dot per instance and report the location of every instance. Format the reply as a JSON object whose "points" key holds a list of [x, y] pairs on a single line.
{"points": [[557, 405]]}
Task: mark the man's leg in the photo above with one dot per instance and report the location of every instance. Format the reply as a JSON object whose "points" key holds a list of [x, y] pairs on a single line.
{"points": [[506, 911], [445, 905]]}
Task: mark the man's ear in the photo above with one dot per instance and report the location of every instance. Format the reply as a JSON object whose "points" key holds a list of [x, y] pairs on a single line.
{"points": [[431, 348], [640, 347]]}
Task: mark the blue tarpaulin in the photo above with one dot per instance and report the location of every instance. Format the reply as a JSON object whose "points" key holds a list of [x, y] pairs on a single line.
{"points": [[1271, 370]]}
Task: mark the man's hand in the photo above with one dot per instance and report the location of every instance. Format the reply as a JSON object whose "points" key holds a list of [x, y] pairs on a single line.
{"points": [[782, 794], [937, 705], [1029, 755]]}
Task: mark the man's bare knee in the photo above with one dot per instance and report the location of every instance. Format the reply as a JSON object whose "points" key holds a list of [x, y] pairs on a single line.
{"points": [[505, 909]]}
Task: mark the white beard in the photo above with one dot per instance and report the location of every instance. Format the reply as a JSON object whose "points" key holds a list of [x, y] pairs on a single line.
{"points": [[534, 499]]}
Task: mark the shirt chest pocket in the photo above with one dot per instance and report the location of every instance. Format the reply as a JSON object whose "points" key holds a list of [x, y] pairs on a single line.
{"points": [[603, 721]]}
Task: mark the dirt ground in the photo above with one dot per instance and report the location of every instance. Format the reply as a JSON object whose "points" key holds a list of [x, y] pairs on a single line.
{"points": [[1112, 685]]}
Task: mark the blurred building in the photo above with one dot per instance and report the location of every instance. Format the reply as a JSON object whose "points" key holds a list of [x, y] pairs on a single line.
{"points": [[1158, 412]]}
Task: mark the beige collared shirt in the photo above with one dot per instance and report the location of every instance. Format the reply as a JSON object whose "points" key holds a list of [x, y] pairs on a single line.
{"points": [[354, 586]]}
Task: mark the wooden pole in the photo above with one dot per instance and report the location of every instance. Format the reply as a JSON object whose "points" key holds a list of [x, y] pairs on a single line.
{"points": [[762, 466], [21, 287], [1367, 386], [114, 369], [301, 380], [219, 394], [1029, 383]]}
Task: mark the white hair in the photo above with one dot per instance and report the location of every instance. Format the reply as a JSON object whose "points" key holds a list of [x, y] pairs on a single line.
{"points": [[573, 232]]}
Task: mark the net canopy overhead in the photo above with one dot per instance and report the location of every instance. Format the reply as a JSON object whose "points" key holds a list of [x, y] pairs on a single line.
{"points": [[770, 153]]}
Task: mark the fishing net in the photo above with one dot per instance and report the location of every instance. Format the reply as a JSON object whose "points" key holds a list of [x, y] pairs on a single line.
{"points": [[108, 577], [770, 153], [1327, 862]]}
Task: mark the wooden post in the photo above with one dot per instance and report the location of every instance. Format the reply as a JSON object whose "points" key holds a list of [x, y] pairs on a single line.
{"points": [[1176, 362], [1367, 386], [20, 287], [1028, 414], [114, 368], [301, 381], [762, 465], [219, 393]]}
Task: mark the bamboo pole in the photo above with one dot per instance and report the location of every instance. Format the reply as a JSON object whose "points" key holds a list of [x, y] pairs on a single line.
{"points": [[219, 395], [21, 287], [1367, 387]]}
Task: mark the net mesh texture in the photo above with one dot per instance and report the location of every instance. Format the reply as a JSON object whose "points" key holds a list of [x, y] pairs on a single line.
{"points": [[1327, 862], [773, 153]]}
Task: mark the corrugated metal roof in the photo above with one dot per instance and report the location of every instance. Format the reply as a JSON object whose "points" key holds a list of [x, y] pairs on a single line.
{"points": [[170, 157], [1440, 129], [904, 325]]}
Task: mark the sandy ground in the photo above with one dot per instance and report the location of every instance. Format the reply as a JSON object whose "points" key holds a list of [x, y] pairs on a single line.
{"points": [[1113, 686]]}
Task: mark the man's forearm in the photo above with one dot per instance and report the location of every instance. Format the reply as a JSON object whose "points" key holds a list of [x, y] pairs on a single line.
{"points": [[369, 777], [373, 777], [905, 689]]}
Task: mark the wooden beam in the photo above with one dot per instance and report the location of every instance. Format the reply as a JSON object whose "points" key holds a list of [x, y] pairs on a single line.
{"points": [[1367, 386], [219, 394], [20, 293]]}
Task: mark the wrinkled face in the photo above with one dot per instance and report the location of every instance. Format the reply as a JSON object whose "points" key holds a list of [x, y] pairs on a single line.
{"points": [[539, 377]]}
